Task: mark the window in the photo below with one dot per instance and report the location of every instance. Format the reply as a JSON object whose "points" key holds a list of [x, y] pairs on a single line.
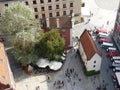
{"points": [[42, 9], [93, 65], [26, 3], [94, 61], [50, 7], [71, 11], [57, 0], [34, 2], [43, 15], [6, 5], [35, 10], [41, 1], [50, 14], [64, 5], [36, 16], [71, 4], [49, 0], [64, 12], [57, 14], [57, 6]]}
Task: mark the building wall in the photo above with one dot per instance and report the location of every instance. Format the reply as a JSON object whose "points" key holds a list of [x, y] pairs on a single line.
{"points": [[89, 64], [116, 32], [94, 63], [43, 11], [76, 7]]}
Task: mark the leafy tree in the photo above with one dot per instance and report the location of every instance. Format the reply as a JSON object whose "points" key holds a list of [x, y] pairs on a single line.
{"points": [[24, 47], [19, 21], [18, 17], [51, 45]]}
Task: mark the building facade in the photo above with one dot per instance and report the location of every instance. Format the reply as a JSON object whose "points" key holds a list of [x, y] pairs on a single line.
{"points": [[56, 13], [89, 53], [116, 32]]}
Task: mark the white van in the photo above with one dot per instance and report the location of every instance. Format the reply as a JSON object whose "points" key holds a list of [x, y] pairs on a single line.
{"points": [[115, 58], [115, 64], [100, 34], [111, 49], [105, 44], [116, 69], [117, 61]]}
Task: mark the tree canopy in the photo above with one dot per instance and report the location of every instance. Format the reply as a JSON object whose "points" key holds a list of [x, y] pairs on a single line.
{"points": [[18, 17], [18, 20], [51, 45]]}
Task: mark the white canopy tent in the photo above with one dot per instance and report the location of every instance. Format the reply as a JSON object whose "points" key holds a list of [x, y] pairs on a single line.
{"points": [[43, 63], [55, 65]]}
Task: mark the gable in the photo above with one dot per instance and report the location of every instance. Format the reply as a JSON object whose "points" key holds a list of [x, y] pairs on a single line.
{"points": [[88, 44]]}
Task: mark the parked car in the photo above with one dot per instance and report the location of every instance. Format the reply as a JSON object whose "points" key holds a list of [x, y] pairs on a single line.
{"points": [[102, 31], [2, 39], [112, 53], [106, 45], [102, 35], [111, 49], [101, 40]]}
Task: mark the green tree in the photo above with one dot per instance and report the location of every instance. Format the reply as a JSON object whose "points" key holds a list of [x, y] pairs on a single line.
{"points": [[18, 20], [24, 48], [51, 45], [18, 17]]}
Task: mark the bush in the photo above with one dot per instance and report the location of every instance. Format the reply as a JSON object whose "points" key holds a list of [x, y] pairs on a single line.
{"points": [[57, 57], [92, 72]]}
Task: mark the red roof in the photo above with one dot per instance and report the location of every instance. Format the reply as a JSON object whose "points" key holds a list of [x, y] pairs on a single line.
{"points": [[5, 74], [88, 44]]}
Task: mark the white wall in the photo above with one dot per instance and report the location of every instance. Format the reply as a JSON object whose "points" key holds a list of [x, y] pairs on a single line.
{"points": [[90, 63], [82, 53]]}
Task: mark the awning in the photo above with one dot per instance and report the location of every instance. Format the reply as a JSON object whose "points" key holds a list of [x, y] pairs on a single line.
{"points": [[55, 65], [43, 63]]}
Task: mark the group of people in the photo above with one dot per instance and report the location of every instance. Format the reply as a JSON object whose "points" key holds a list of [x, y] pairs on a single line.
{"points": [[59, 84], [71, 74]]}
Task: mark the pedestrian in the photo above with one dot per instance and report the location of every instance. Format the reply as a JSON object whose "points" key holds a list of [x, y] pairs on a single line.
{"points": [[88, 20], [91, 14], [107, 22], [38, 88], [54, 83], [74, 83], [102, 25], [79, 79]]}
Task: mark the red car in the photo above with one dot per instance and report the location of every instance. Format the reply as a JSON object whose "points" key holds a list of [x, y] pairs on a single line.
{"points": [[112, 53], [2, 39], [102, 31], [101, 40]]}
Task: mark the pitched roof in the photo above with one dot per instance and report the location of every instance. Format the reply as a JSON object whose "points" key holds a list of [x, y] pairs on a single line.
{"points": [[4, 67], [88, 44]]}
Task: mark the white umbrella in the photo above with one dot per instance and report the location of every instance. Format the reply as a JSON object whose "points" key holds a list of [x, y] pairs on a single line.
{"points": [[43, 63], [55, 65]]}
